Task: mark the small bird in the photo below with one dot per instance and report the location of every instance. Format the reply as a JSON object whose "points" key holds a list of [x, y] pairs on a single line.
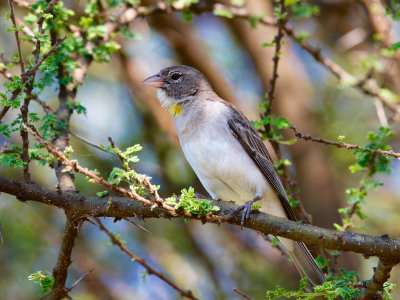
{"points": [[226, 153]]}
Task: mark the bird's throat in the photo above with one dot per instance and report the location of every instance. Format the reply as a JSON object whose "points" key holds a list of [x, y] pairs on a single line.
{"points": [[176, 109]]}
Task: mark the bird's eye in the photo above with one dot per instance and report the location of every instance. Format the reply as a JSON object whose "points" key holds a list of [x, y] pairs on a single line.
{"points": [[175, 76]]}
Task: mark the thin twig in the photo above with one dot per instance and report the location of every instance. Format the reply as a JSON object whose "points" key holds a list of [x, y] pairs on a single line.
{"points": [[308, 137], [37, 65], [15, 28], [136, 224], [79, 280], [241, 294], [282, 19], [144, 179], [150, 270], [86, 141]]}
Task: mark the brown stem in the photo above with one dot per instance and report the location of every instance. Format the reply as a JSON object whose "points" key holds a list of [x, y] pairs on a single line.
{"points": [[16, 32], [308, 137], [60, 271], [80, 206], [277, 54], [150, 270], [381, 275]]}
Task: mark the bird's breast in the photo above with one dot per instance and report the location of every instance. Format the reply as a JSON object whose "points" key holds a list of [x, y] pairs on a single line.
{"points": [[222, 165]]}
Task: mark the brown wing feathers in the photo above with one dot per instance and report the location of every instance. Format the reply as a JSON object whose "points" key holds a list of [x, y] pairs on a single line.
{"points": [[251, 142]]}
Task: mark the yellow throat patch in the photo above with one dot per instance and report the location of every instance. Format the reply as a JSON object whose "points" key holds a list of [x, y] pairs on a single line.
{"points": [[176, 110]]}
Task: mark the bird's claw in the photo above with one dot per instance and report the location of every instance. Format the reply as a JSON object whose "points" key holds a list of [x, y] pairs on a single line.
{"points": [[245, 210]]}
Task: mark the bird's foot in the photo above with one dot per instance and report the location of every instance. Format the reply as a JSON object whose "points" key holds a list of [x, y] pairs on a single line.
{"points": [[245, 209]]}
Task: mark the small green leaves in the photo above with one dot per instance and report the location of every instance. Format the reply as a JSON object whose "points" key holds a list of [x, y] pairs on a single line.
{"points": [[281, 164], [341, 285], [293, 201], [102, 194], [102, 53], [223, 12], [256, 206], [12, 159], [371, 164], [187, 16], [321, 261], [254, 20], [188, 203], [274, 124], [5, 130], [275, 241], [127, 156], [44, 279], [393, 9], [371, 161], [76, 106], [302, 10]]}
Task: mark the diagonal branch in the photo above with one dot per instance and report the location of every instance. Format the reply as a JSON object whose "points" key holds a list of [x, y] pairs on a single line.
{"points": [[150, 270]]}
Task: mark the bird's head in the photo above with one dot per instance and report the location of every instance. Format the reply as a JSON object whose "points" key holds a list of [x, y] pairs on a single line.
{"points": [[178, 85]]}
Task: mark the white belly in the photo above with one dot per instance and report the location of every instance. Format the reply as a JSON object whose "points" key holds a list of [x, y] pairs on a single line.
{"points": [[225, 169]]}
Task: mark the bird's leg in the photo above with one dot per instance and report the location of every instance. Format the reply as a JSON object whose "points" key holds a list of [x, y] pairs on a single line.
{"points": [[245, 209]]}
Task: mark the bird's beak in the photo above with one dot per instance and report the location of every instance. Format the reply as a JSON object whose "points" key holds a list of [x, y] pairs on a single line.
{"points": [[154, 81]]}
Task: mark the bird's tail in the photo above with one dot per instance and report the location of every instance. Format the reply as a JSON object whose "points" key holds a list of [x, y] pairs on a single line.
{"points": [[304, 261]]}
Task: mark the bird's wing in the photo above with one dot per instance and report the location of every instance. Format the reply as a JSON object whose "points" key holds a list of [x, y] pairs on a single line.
{"points": [[247, 136]]}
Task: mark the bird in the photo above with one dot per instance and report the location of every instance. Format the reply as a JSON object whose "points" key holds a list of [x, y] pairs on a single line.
{"points": [[226, 153]]}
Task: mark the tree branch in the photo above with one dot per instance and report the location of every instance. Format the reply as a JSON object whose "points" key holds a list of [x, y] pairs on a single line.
{"points": [[282, 19], [117, 242], [79, 206], [308, 137], [381, 275], [60, 272], [16, 32]]}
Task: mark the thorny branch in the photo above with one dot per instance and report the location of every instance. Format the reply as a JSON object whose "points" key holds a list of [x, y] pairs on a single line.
{"points": [[150, 270], [72, 165], [60, 272], [278, 40], [144, 179], [80, 206], [16, 32], [241, 294], [308, 137]]}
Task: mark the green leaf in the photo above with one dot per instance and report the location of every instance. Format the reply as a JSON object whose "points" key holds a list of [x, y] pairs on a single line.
{"points": [[44, 279], [5, 130], [12, 160], [188, 203], [102, 194], [223, 12], [321, 261]]}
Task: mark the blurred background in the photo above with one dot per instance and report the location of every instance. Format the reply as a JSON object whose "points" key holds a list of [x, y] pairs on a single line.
{"points": [[210, 260]]}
